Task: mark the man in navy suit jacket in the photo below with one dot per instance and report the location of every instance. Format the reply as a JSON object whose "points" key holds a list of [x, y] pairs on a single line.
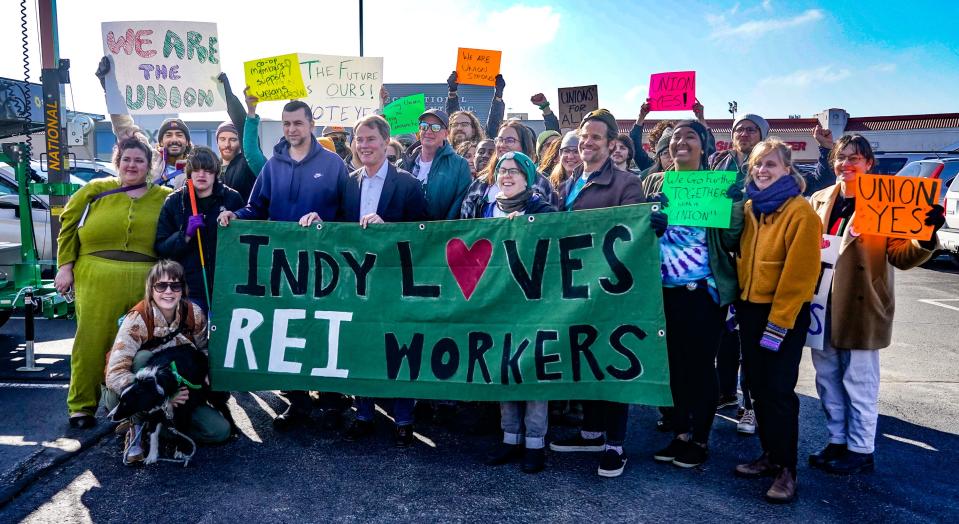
{"points": [[378, 193]]}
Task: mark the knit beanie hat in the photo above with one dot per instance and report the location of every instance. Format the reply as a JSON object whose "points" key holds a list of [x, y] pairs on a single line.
{"points": [[602, 115], [700, 130], [173, 123], [760, 122], [663, 143], [542, 138], [227, 127], [570, 139], [525, 164]]}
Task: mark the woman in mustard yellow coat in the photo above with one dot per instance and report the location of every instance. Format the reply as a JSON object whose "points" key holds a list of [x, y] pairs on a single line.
{"points": [[778, 267]]}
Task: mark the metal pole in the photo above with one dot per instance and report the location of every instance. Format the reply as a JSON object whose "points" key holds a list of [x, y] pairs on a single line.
{"points": [[28, 334], [361, 27]]}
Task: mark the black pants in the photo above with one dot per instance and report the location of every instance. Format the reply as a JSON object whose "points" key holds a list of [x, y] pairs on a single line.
{"points": [[694, 325], [727, 367], [608, 417], [772, 377]]}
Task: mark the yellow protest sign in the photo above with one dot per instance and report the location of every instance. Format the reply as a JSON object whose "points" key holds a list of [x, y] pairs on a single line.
{"points": [[275, 78], [895, 206], [477, 66]]}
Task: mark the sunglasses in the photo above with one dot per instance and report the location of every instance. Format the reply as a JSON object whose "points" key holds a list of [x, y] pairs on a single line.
{"points": [[160, 287], [391, 158], [436, 128]]}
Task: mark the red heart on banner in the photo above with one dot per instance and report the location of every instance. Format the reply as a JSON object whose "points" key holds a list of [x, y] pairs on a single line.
{"points": [[468, 263]]}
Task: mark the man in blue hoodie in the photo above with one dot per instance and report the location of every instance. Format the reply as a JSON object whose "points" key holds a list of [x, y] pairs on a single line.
{"points": [[304, 183]]}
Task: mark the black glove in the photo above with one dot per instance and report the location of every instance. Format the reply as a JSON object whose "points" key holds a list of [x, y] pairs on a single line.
{"points": [[225, 81], [735, 192], [451, 82], [500, 84], [660, 198], [658, 222], [935, 217], [102, 70]]}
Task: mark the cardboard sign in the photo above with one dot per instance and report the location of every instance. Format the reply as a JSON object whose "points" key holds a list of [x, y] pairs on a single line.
{"points": [[574, 104], [698, 198], [342, 308], [895, 206], [275, 78], [341, 89], [404, 114], [477, 66], [159, 67], [672, 91], [829, 253]]}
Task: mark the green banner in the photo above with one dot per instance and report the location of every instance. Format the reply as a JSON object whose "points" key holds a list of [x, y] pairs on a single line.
{"points": [[549, 306], [403, 114], [698, 198]]}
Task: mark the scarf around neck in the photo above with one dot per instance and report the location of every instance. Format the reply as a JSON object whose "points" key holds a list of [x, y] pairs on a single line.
{"points": [[517, 203], [774, 196]]}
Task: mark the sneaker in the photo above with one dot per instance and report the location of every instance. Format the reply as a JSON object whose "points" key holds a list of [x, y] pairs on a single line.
{"points": [[760, 467], [504, 453], [534, 460], [670, 452], [747, 424], [133, 451], [691, 456], [403, 438], [727, 401], [827, 454], [611, 464], [578, 443], [851, 463], [358, 430]]}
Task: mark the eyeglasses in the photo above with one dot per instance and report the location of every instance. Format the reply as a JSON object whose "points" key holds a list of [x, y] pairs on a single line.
{"points": [[854, 159], [460, 124], [510, 171], [176, 287], [426, 126], [569, 150], [508, 140], [746, 130]]}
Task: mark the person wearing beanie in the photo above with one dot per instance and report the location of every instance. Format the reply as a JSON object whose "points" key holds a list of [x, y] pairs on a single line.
{"points": [[598, 184], [781, 230], [463, 124], [569, 160], [699, 281], [623, 153], [543, 140], [748, 130], [524, 423]]}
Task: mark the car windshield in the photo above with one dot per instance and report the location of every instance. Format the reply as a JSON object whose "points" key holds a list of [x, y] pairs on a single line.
{"points": [[920, 169]]}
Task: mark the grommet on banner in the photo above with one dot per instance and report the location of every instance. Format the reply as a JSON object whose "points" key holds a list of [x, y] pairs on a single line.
{"points": [[655, 207], [531, 218], [319, 226], [662, 332], [212, 327], [422, 227]]}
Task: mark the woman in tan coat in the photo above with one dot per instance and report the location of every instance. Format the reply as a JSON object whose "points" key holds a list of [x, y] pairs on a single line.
{"points": [[778, 267], [859, 318]]}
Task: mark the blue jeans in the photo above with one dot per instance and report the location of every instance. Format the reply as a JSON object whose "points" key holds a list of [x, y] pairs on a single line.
{"points": [[533, 415], [401, 409]]}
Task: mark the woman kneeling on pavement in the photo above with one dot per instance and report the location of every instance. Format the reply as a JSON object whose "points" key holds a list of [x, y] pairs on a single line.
{"points": [[778, 267], [699, 281], [859, 316], [523, 423], [163, 319]]}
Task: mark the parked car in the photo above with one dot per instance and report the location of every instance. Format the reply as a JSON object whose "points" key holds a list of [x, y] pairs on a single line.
{"points": [[944, 169], [10, 211], [949, 234], [890, 163]]}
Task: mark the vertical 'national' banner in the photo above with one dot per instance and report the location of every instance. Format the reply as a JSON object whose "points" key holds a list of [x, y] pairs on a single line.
{"points": [[550, 306]]}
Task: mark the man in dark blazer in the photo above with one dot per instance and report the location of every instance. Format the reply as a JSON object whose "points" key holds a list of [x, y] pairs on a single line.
{"points": [[378, 193]]}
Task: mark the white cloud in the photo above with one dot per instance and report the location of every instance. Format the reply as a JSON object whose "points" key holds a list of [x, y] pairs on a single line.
{"points": [[807, 77], [722, 29], [633, 93], [883, 68]]}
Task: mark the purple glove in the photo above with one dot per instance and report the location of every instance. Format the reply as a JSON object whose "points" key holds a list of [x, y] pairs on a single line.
{"points": [[192, 224], [773, 337]]}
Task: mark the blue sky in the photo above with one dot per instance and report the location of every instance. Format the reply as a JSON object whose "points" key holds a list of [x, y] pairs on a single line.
{"points": [[774, 58]]}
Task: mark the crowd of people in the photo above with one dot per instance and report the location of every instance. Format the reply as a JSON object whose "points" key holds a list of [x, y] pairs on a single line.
{"points": [[736, 299]]}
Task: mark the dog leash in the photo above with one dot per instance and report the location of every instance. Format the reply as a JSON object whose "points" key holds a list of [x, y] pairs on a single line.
{"points": [[179, 378]]}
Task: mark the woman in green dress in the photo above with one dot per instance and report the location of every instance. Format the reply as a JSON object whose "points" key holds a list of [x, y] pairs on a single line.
{"points": [[105, 252]]}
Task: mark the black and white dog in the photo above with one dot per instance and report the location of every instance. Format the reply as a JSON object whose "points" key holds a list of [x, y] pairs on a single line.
{"points": [[157, 384]]}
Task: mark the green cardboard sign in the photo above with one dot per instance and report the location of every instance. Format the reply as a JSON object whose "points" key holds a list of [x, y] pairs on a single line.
{"points": [[698, 198], [542, 307], [403, 114]]}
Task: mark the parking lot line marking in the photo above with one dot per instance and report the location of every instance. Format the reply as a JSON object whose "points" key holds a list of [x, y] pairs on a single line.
{"points": [[33, 385], [936, 302]]}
